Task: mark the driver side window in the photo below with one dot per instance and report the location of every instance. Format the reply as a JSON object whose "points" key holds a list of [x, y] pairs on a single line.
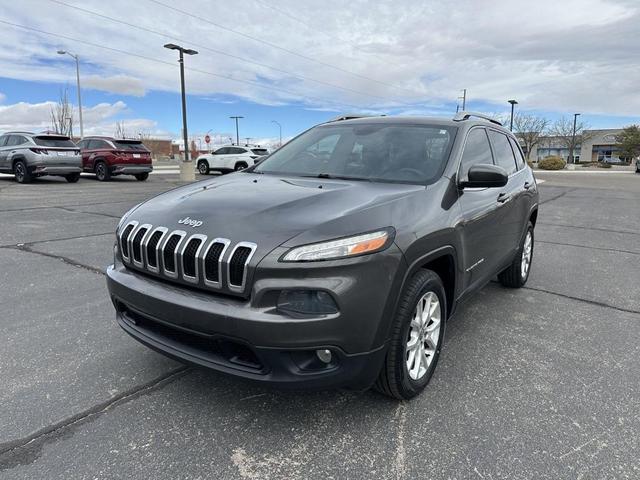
{"points": [[476, 151]]}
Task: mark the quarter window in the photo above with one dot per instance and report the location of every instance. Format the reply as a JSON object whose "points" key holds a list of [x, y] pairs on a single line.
{"points": [[476, 151], [502, 151]]}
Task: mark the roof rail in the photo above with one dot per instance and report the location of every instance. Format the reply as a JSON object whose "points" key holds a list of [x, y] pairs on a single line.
{"points": [[461, 116], [350, 116]]}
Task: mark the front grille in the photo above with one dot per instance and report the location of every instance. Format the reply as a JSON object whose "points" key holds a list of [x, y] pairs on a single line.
{"points": [[169, 253], [180, 257]]}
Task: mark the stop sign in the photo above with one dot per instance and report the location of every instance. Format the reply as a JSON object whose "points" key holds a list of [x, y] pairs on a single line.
{"points": [[207, 139]]}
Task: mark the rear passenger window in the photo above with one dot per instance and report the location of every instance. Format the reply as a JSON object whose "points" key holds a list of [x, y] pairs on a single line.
{"points": [[3, 140], [502, 151], [518, 153], [476, 151]]}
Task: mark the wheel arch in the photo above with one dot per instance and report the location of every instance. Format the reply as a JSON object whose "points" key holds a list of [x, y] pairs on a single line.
{"points": [[16, 158]]}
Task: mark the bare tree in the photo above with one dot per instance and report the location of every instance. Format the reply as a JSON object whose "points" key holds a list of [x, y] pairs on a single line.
{"points": [[562, 129], [120, 131], [62, 114], [530, 130]]}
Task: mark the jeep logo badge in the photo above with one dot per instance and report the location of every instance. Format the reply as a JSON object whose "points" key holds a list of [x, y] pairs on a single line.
{"points": [[192, 223]]}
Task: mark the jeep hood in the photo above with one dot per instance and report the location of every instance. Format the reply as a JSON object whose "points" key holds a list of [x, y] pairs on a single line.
{"points": [[271, 210]]}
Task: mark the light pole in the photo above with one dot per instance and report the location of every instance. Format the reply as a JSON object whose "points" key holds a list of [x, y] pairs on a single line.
{"points": [[186, 170], [573, 137], [75, 57], [464, 100], [237, 134], [280, 127], [513, 104]]}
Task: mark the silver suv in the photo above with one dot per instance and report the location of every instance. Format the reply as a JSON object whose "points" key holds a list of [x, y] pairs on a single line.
{"points": [[29, 155]]}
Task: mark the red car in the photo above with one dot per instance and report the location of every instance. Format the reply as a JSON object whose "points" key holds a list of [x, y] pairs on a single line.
{"points": [[107, 157]]}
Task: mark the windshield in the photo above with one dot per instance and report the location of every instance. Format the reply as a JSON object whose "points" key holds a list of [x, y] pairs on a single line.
{"points": [[54, 142], [129, 145], [375, 152]]}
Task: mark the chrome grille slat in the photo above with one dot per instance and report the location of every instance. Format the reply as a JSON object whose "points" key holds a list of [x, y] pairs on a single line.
{"points": [[182, 257]]}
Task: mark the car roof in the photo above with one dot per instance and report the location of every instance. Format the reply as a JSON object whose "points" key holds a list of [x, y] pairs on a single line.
{"points": [[98, 137], [463, 119]]}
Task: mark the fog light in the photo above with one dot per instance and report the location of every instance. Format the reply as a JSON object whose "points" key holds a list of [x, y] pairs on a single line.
{"points": [[307, 302], [324, 356]]}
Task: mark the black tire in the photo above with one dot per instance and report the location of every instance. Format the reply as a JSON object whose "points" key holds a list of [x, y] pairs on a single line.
{"points": [[103, 174], [21, 172], [203, 167], [141, 177], [514, 276], [72, 177], [394, 379], [240, 166]]}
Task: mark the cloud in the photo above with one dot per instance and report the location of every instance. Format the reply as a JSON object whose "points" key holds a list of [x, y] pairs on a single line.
{"points": [[405, 55], [2, 97], [98, 119], [122, 84]]}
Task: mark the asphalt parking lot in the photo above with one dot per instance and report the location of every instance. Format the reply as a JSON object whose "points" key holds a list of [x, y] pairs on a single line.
{"points": [[542, 382]]}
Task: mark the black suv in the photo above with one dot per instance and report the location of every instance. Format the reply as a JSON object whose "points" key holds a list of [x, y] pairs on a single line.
{"points": [[337, 260]]}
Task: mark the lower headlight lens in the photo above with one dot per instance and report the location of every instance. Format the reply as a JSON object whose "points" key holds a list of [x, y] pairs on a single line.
{"points": [[340, 248], [306, 302]]}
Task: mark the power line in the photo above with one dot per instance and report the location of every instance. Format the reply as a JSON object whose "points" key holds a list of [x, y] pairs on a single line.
{"points": [[204, 47], [172, 64], [273, 45]]}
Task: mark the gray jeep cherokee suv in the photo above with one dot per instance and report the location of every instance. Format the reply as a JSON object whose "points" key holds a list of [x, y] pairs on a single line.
{"points": [[27, 155], [337, 260]]}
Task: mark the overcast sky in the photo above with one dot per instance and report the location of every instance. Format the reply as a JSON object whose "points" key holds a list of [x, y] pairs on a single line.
{"points": [[300, 62]]}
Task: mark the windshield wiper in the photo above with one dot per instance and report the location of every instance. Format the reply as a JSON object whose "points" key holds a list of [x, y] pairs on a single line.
{"points": [[337, 177]]}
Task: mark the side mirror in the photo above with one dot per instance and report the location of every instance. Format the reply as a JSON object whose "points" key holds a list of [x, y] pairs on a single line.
{"points": [[485, 176]]}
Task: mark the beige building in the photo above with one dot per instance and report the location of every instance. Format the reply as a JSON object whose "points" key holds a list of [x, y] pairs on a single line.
{"points": [[598, 146]]}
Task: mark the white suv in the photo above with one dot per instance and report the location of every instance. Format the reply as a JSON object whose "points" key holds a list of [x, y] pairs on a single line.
{"points": [[229, 159]]}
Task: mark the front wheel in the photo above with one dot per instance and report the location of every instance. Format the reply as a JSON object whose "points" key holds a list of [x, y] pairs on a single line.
{"points": [[141, 177], [517, 274], [416, 338], [72, 177], [21, 172]]}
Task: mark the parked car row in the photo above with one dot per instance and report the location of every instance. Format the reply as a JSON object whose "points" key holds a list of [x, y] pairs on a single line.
{"points": [[28, 155]]}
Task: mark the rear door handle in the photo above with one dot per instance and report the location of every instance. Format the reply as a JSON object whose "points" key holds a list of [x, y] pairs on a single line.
{"points": [[504, 197]]}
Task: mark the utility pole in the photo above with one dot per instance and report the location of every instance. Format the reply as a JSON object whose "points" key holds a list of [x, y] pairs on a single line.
{"points": [[513, 104], [573, 137], [187, 172], [77, 59], [280, 128], [248, 139], [237, 117]]}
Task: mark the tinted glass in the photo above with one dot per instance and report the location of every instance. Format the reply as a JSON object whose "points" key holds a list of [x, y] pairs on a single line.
{"points": [[14, 140], [82, 144], [237, 151], [518, 153], [375, 151], [47, 141], [476, 151], [221, 151], [133, 145], [502, 151], [3, 140], [260, 151]]}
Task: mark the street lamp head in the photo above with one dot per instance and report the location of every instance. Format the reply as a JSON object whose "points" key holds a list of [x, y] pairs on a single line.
{"points": [[172, 46], [189, 51], [513, 102]]}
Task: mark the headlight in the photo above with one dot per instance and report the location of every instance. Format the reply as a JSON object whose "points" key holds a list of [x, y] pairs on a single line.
{"points": [[342, 247], [126, 216]]}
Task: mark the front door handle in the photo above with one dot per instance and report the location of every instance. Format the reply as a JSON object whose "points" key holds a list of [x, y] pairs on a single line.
{"points": [[504, 197]]}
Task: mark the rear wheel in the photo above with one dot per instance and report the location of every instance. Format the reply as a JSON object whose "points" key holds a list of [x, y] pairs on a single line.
{"points": [[141, 177], [72, 177], [240, 166], [203, 167], [102, 171], [21, 172], [416, 338], [517, 274]]}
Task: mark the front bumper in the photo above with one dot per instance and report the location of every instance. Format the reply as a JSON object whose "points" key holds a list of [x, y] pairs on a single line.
{"points": [[131, 169], [250, 339]]}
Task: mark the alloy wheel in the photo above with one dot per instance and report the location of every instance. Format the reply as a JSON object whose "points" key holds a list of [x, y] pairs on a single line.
{"points": [[19, 172], [527, 250], [423, 336]]}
